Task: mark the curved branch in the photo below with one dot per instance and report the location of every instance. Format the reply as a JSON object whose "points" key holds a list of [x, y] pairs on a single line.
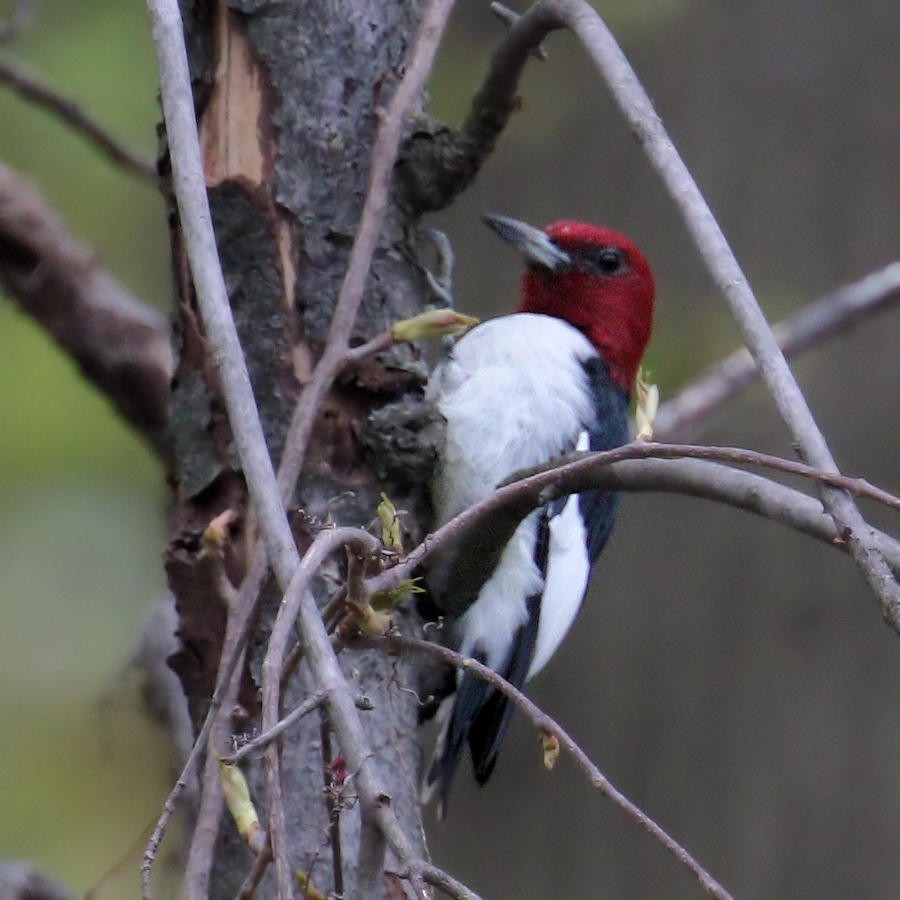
{"points": [[714, 249], [299, 606], [31, 88], [437, 167], [637, 109], [212, 296], [446, 883], [546, 724], [384, 156], [500, 513], [120, 343]]}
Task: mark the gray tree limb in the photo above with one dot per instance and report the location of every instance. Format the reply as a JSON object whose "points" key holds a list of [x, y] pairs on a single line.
{"points": [[120, 343]]}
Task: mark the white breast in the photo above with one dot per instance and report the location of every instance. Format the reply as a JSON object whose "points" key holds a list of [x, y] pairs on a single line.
{"points": [[514, 394]]}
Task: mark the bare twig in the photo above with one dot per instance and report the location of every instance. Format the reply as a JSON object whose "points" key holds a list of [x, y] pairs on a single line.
{"points": [[311, 703], [31, 88], [810, 444], [120, 343], [509, 18], [298, 605], [377, 344], [441, 280], [245, 602], [384, 157], [859, 487], [332, 804], [820, 320], [621, 470], [634, 103], [545, 723], [446, 883], [209, 813], [255, 875]]}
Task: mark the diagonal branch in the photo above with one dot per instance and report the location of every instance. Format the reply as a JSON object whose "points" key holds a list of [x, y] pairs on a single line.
{"points": [[260, 742], [445, 883], [437, 167], [546, 724], [637, 109], [213, 300], [384, 156], [632, 468], [32, 89], [120, 343], [299, 606], [820, 320]]}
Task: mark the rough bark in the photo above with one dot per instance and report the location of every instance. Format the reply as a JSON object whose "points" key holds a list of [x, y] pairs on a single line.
{"points": [[286, 99]]}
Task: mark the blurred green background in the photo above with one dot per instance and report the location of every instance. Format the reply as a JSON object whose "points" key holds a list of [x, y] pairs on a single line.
{"points": [[81, 498], [733, 678]]}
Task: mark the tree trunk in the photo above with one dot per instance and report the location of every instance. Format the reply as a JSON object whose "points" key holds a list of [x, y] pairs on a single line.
{"points": [[286, 96]]}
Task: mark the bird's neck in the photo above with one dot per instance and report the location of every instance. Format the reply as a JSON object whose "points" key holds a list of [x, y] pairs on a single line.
{"points": [[618, 325]]}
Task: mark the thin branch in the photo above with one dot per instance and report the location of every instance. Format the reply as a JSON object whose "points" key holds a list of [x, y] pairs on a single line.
{"points": [[248, 889], [545, 723], [299, 606], [446, 883], [246, 600], [637, 109], [311, 703], [376, 345], [509, 18], [859, 487], [32, 89], [209, 813], [120, 343], [437, 167], [200, 243], [620, 470], [332, 804], [822, 319], [384, 156]]}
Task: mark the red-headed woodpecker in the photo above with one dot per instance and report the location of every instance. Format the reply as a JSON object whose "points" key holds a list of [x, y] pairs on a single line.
{"points": [[516, 391]]}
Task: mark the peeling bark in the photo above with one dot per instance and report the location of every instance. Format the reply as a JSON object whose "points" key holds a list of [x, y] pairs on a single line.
{"points": [[286, 97]]}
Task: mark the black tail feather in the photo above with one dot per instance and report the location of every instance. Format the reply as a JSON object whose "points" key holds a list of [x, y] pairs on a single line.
{"points": [[481, 714], [487, 732], [471, 697]]}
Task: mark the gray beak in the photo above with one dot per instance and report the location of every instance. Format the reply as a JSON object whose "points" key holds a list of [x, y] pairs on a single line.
{"points": [[537, 248]]}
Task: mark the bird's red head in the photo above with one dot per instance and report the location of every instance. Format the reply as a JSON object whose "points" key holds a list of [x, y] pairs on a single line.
{"points": [[595, 279]]}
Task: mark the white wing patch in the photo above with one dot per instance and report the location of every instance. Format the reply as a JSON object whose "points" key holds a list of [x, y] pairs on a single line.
{"points": [[568, 569]]}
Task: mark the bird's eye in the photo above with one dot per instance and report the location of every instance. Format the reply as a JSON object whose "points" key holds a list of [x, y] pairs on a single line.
{"points": [[609, 260]]}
